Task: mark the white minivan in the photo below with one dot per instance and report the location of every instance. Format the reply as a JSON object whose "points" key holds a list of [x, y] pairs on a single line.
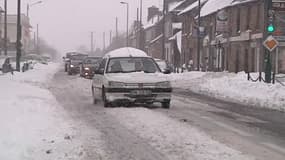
{"points": [[129, 76]]}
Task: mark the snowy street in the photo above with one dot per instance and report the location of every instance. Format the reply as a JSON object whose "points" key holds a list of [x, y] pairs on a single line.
{"points": [[57, 114], [196, 127], [142, 80]]}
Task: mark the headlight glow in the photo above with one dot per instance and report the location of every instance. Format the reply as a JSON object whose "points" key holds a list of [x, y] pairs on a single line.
{"points": [[116, 84], [87, 69], [165, 84], [71, 65]]}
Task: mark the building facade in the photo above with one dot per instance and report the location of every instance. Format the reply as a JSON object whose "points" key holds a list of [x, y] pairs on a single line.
{"points": [[12, 33]]}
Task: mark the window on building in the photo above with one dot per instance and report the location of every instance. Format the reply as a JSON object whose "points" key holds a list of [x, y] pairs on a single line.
{"points": [[248, 17], [238, 21], [190, 29], [257, 23]]}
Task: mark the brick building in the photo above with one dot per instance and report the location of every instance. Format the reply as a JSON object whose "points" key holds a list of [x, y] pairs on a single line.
{"points": [[233, 36]]}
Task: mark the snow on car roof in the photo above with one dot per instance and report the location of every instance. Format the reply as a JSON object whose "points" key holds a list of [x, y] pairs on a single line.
{"points": [[126, 52]]}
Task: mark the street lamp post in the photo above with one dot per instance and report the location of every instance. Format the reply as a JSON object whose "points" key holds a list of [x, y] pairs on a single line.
{"points": [[1, 11], [141, 27], [127, 38], [198, 34], [5, 27], [19, 37], [30, 5]]}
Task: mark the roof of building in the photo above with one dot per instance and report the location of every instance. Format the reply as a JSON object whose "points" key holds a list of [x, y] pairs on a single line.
{"points": [[192, 6], [212, 6], [174, 5], [153, 21], [126, 52]]}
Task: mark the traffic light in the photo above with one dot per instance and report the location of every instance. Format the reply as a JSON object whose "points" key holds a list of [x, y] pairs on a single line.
{"points": [[270, 28]]}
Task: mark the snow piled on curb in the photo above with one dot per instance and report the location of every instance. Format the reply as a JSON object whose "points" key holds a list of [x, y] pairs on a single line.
{"points": [[32, 123], [40, 74], [233, 87], [173, 138]]}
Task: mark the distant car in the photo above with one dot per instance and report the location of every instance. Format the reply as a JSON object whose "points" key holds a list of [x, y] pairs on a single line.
{"points": [[67, 59], [73, 66], [88, 67], [164, 66], [128, 76]]}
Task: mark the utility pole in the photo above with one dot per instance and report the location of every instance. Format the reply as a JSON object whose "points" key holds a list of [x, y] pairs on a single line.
{"points": [[136, 30], [38, 40], [127, 24], [198, 34], [163, 30], [268, 67], [140, 26], [19, 37], [35, 41], [92, 42], [110, 41], [127, 37], [117, 28], [104, 45], [28, 9], [5, 28]]}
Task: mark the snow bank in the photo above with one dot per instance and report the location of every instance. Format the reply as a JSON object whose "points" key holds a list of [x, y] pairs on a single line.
{"points": [[32, 123], [40, 74], [233, 87], [173, 138], [185, 79]]}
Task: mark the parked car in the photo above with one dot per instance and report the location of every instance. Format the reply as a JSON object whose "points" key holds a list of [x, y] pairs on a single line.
{"points": [[128, 76], [73, 66], [36, 58], [164, 66], [88, 67]]}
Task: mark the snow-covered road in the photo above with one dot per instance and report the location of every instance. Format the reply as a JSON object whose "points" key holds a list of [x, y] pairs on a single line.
{"points": [[189, 130], [46, 114]]}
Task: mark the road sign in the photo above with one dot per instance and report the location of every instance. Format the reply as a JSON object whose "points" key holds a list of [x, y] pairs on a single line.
{"points": [[270, 43]]}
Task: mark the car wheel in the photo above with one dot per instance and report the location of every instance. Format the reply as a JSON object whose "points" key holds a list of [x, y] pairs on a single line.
{"points": [[105, 101], [93, 96], [166, 104], [69, 73]]}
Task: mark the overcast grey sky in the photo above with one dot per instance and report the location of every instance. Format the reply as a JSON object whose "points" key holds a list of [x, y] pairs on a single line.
{"points": [[66, 24]]}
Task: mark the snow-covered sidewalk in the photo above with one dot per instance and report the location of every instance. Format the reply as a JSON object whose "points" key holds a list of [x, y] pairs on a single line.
{"points": [[32, 124], [232, 87]]}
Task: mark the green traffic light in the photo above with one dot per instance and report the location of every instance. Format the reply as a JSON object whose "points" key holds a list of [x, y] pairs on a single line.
{"points": [[270, 28]]}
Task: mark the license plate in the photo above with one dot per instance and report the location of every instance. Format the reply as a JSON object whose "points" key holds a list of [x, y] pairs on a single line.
{"points": [[141, 92]]}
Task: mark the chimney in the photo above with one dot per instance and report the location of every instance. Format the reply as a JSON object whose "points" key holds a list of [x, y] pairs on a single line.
{"points": [[152, 11]]}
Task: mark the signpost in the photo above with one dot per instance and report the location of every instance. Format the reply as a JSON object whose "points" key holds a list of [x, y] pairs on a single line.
{"points": [[222, 21], [270, 43]]}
